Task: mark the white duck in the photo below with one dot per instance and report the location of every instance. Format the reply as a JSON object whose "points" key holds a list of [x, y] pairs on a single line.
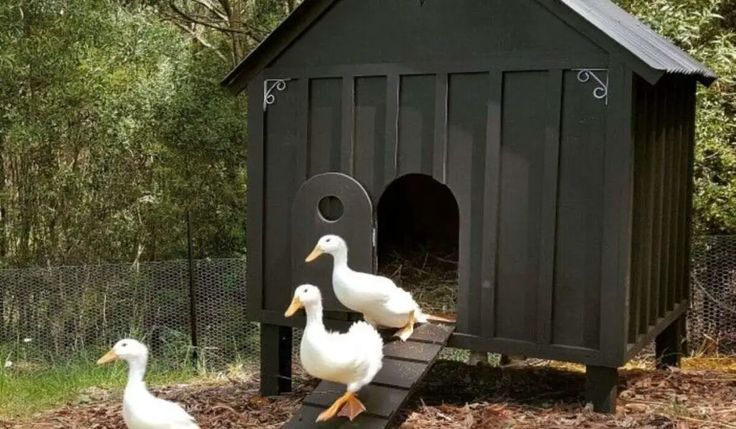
{"points": [[352, 358], [142, 410], [378, 298]]}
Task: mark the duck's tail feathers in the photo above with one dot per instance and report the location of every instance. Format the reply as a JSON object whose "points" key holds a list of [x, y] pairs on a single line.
{"points": [[440, 319], [422, 317]]}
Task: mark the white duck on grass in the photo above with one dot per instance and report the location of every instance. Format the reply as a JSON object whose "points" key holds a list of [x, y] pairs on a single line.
{"points": [[142, 410], [352, 358], [378, 298]]}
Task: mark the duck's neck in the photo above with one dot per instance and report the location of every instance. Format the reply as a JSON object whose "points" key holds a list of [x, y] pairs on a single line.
{"points": [[341, 258], [136, 370], [314, 317]]}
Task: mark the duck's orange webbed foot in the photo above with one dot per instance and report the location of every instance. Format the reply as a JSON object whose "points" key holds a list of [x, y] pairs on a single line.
{"points": [[352, 408], [348, 405]]}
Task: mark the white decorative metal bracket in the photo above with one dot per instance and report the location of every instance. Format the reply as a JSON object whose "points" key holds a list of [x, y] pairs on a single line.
{"points": [[601, 90], [269, 86]]}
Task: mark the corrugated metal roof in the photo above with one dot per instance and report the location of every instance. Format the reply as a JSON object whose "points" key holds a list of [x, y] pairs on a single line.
{"points": [[651, 49], [636, 37]]}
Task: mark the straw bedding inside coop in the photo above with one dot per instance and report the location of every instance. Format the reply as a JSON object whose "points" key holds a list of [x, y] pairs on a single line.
{"points": [[430, 277], [418, 224]]}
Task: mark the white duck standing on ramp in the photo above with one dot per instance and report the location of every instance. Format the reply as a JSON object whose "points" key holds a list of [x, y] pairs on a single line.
{"points": [[381, 302], [142, 410], [352, 358]]}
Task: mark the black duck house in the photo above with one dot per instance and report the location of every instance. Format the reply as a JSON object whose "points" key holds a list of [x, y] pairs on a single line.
{"points": [[552, 138]]}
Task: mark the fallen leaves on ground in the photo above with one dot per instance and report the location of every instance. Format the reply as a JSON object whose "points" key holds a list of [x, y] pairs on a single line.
{"points": [[458, 396], [223, 406], [455, 395]]}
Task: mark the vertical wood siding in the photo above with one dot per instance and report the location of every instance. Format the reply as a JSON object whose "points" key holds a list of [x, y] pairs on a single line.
{"points": [[580, 212], [281, 142], [466, 143], [416, 124], [520, 212], [370, 119], [524, 152], [664, 140], [325, 121]]}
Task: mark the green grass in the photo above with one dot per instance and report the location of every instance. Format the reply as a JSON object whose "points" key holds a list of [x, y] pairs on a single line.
{"points": [[29, 387], [40, 380]]}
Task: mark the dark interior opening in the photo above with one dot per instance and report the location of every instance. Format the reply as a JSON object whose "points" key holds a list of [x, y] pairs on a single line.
{"points": [[418, 232], [331, 208]]}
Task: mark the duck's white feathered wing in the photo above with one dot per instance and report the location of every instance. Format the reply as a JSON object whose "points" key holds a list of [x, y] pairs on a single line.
{"points": [[382, 291], [172, 416], [402, 302], [364, 338]]}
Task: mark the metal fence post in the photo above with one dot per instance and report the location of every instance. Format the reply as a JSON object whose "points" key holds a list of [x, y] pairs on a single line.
{"points": [[2, 310], [192, 293]]}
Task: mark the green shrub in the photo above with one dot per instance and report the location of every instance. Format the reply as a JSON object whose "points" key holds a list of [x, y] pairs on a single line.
{"points": [[707, 30]]}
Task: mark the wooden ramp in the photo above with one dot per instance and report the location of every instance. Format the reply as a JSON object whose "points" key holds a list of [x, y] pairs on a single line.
{"points": [[404, 366]]}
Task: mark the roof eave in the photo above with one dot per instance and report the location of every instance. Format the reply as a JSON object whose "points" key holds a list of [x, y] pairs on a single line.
{"points": [[707, 80], [272, 46], [237, 80], [310, 10], [654, 77]]}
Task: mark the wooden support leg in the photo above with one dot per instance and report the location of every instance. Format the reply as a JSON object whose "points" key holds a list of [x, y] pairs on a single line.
{"points": [[511, 359], [669, 345], [478, 358], [275, 359], [601, 388], [684, 346]]}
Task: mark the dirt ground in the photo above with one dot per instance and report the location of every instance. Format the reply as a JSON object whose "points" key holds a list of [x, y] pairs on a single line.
{"points": [[456, 395]]}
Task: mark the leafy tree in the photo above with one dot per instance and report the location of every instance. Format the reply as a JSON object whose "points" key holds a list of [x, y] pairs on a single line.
{"points": [[706, 29], [201, 168], [112, 127], [230, 28]]}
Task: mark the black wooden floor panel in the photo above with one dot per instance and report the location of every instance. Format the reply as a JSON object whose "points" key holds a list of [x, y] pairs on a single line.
{"points": [[307, 414], [404, 366], [421, 352], [399, 373], [380, 401], [432, 333]]}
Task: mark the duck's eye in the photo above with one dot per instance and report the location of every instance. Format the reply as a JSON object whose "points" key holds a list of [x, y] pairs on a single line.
{"points": [[124, 345], [328, 240]]}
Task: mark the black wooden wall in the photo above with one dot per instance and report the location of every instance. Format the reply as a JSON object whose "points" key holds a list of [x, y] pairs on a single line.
{"points": [[493, 108], [664, 133]]}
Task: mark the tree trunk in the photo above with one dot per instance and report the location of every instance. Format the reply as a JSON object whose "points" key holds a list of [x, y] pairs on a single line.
{"points": [[3, 240], [236, 17]]}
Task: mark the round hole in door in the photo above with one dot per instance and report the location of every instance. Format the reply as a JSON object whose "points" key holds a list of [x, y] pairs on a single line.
{"points": [[331, 208]]}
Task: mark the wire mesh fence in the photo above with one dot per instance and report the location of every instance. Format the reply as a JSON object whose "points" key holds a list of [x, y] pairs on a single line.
{"points": [[199, 311], [712, 317], [181, 312]]}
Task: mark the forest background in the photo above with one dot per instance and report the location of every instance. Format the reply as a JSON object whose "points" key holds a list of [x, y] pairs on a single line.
{"points": [[114, 128]]}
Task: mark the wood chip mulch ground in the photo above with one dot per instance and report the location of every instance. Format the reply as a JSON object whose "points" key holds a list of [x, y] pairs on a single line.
{"points": [[456, 395], [459, 396]]}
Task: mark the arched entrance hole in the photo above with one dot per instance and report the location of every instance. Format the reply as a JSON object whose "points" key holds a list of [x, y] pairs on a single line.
{"points": [[418, 232]]}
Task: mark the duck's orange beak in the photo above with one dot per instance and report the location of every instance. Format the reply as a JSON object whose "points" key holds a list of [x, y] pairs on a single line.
{"points": [[315, 254], [296, 304], [109, 357]]}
